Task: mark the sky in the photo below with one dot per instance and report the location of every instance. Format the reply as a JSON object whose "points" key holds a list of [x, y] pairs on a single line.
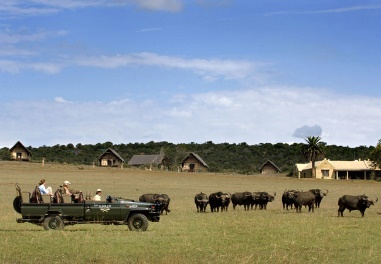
{"points": [[182, 71]]}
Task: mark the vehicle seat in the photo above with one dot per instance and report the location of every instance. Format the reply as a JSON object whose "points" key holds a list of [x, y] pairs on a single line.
{"points": [[66, 198], [46, 198], [25, 196]]}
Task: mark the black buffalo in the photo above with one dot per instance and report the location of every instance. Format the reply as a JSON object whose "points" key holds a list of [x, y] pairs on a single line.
{"points": [[319, 194], [261, 199], [162, 199], [306, 199], [242, 198], [353, 202], [201, 200], [288, 198], [226, 198], [218, 200]]}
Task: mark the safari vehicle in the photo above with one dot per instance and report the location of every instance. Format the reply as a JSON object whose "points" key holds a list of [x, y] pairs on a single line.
{"points": [[54, 212]]}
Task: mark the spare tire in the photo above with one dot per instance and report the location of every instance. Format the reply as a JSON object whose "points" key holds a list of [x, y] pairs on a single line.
{"points": [[17, 204]]}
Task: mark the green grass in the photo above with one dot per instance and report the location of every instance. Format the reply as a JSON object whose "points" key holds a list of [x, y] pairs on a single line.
{"points": [[184, 236]]}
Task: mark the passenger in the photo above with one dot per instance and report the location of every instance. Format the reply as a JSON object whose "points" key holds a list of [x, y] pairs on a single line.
{"points": [[67, 190], [43, 189], [76, 196], [97, 196]]}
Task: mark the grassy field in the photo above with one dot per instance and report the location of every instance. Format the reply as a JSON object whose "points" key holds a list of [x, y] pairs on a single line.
{"points": [[185, 236]]}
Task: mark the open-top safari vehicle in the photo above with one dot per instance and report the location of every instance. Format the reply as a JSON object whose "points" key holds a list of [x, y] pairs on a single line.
{"points": [[54, 212]]}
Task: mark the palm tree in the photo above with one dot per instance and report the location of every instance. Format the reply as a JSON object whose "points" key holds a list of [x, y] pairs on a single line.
{"points": [[312, 150]]}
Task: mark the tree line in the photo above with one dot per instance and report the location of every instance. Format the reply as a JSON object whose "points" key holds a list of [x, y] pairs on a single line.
{"points": [[239, 158]]}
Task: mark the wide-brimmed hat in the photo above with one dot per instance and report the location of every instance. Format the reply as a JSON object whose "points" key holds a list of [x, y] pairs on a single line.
{"points": [[99, 190], [66, 182]]}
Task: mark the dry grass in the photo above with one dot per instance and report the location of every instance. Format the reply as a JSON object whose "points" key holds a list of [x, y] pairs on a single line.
{"points": [[184, 236]]}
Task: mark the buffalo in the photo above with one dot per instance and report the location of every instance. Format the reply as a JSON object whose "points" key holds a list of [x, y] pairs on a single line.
{"points": [[201, 200], [242, 198], [261, 199], [319, 194], [219, 200], [162, 199], [226, 197], [353, 202], [288, 198], [306, 199]]}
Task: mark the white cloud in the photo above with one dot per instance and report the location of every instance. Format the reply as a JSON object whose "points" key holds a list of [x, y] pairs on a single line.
{"points": [[10, 51], [17, 8], [326, 11], [268, 114], [160, 5], [16, 37], [16, 66], [208, 68]]}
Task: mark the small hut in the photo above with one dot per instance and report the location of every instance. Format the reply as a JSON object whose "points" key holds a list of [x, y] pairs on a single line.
{"points": [[193, 163], [20, 152], [269, 168], [110, 158], [159, 161]]}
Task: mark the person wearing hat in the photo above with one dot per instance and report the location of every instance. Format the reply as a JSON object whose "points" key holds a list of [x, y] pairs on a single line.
{"points": [[65, 187], [97, 196], [67, 190]]}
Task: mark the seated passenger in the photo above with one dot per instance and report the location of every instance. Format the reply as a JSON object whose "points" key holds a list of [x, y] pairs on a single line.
{"points": [[97, 196], [43, 189], [67, 190]]}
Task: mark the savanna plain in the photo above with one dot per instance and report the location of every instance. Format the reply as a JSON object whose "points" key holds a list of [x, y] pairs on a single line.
{"points": [[185, 236]]}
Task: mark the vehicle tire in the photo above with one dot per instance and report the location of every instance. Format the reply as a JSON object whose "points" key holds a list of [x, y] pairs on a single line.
{"points": [[17, 204], [138, 222], [53, 223]]}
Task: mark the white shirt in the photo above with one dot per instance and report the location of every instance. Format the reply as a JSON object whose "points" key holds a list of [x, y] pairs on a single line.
{"points": [[97, 197], [42, 189]]}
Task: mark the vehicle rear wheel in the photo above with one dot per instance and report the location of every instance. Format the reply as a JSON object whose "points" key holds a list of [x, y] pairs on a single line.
{"points": [[53, 223], [17, 204], [138, 222]]}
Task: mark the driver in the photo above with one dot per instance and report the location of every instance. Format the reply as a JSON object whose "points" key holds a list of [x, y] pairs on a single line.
{"points": [[97, 196]]}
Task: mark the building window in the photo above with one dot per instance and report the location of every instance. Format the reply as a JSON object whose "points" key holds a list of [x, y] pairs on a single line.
{"points": [[325, 173]]}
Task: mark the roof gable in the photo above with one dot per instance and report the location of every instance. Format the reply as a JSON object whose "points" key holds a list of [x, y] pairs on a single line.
{"points": [[272, 164], [197, 157], [19, 144], [109, 150]]}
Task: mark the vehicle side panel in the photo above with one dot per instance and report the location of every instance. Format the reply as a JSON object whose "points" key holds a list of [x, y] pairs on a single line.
{"points": [[102, 211]]}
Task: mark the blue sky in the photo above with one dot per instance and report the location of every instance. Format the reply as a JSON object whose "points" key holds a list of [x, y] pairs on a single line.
{"points": [[91, 71]]}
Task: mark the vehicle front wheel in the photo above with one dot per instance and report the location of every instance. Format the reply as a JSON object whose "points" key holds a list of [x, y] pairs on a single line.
{"points": [[138, 222], [53, 223]]}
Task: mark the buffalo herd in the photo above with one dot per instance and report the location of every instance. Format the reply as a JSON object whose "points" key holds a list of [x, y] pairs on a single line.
{"points": [[220, 200], [251, 200], [290, 198]]}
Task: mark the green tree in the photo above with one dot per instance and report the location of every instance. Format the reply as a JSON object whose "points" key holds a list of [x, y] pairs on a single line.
{"points": [[375, 155], [312, 150]]}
